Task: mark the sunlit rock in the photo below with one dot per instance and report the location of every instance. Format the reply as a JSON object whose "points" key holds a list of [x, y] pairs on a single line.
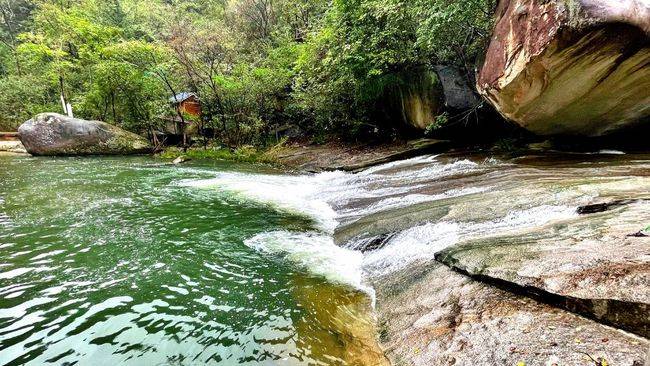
{"points": [[570, 67]]}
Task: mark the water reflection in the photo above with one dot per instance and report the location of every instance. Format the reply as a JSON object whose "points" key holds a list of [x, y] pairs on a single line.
{"points": [[110, 261]]}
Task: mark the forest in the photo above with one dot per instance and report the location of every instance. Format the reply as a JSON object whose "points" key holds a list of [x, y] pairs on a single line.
{"points": [[256, 65]]}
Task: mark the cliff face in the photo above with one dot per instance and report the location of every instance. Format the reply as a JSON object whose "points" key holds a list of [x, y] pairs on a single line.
{"points": [[419, 100], [422, 96], [570, 67]]}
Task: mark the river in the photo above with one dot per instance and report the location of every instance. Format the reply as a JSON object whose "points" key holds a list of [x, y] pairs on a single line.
{"points": [[135, 261]]}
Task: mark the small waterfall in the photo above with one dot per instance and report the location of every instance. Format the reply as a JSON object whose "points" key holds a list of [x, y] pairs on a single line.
{"points": [[334, 199], [389, 216]]}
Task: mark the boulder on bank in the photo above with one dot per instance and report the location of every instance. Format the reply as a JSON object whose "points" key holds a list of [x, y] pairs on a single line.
{"points": [[56, 134], [570, 67]]}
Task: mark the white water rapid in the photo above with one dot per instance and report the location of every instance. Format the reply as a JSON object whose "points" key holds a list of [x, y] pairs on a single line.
{"points": [[382, 219]]}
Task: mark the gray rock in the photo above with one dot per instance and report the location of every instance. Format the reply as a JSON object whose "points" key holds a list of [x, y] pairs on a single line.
{"points": [[430, 315], [590, 265], [56, 134], [458, 94]]}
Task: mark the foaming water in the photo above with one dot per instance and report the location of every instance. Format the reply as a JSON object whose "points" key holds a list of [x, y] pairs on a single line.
{"points": [[318, 254], [112, 261], [293, 193], [129, 261], [331, 198], [409, 210], [425, 241]]}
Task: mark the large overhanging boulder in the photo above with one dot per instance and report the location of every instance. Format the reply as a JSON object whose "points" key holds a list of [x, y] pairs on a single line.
{"points": [[570, 67], [56, 134]]}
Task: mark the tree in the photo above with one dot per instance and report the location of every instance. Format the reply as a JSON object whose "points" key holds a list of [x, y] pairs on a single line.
{"points": [[14, 16]]}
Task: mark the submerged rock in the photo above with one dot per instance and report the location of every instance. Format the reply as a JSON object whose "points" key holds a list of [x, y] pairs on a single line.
{"points": [[570, 67], [56, 134], [430, 315]]}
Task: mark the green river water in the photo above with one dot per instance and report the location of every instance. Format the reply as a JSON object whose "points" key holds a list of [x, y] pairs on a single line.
{"points": [[111, 261], [135, 261]]}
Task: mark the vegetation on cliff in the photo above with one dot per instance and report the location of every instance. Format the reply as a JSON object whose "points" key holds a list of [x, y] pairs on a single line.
{"points": [[255, 64]]}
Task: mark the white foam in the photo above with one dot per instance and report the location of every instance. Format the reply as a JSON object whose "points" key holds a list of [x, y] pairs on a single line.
{"points": [[425, 241], [417, 243], [292, 193], [518, 221], [395, 202], [320, 195], [317, 253], [323, 197], [611, 152]]}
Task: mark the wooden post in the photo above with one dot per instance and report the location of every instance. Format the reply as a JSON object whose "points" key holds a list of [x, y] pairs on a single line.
{"points": [[67, 107]]}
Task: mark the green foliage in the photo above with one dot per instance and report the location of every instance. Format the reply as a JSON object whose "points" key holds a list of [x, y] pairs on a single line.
{"points": [[453, 31], [441, 121], [364, 45], [256, 65], [245, 154]]}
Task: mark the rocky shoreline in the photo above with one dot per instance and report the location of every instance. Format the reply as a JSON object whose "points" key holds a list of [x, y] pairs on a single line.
{"points": [[352, 157], [574, 293], [571, 293], [12, 147]]}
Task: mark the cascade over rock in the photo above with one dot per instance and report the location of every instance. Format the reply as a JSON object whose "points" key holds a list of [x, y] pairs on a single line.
{"points": [[570, 67], [56, 134]]}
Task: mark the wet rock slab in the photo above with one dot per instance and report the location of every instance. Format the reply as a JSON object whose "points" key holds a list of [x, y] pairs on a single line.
{"points": [[354, 158], [431, 315], [591, 265]]}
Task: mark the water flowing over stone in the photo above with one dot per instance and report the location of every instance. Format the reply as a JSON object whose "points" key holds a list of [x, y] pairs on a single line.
{"points": [[577, 67], [466, 259], [480, 260]]}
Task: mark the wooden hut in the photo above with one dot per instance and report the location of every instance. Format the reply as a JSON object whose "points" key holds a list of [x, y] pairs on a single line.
{"points": [[187, 103]]}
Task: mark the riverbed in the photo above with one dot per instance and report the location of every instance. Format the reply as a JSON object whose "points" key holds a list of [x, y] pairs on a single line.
{"points": [[111, 260]]}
